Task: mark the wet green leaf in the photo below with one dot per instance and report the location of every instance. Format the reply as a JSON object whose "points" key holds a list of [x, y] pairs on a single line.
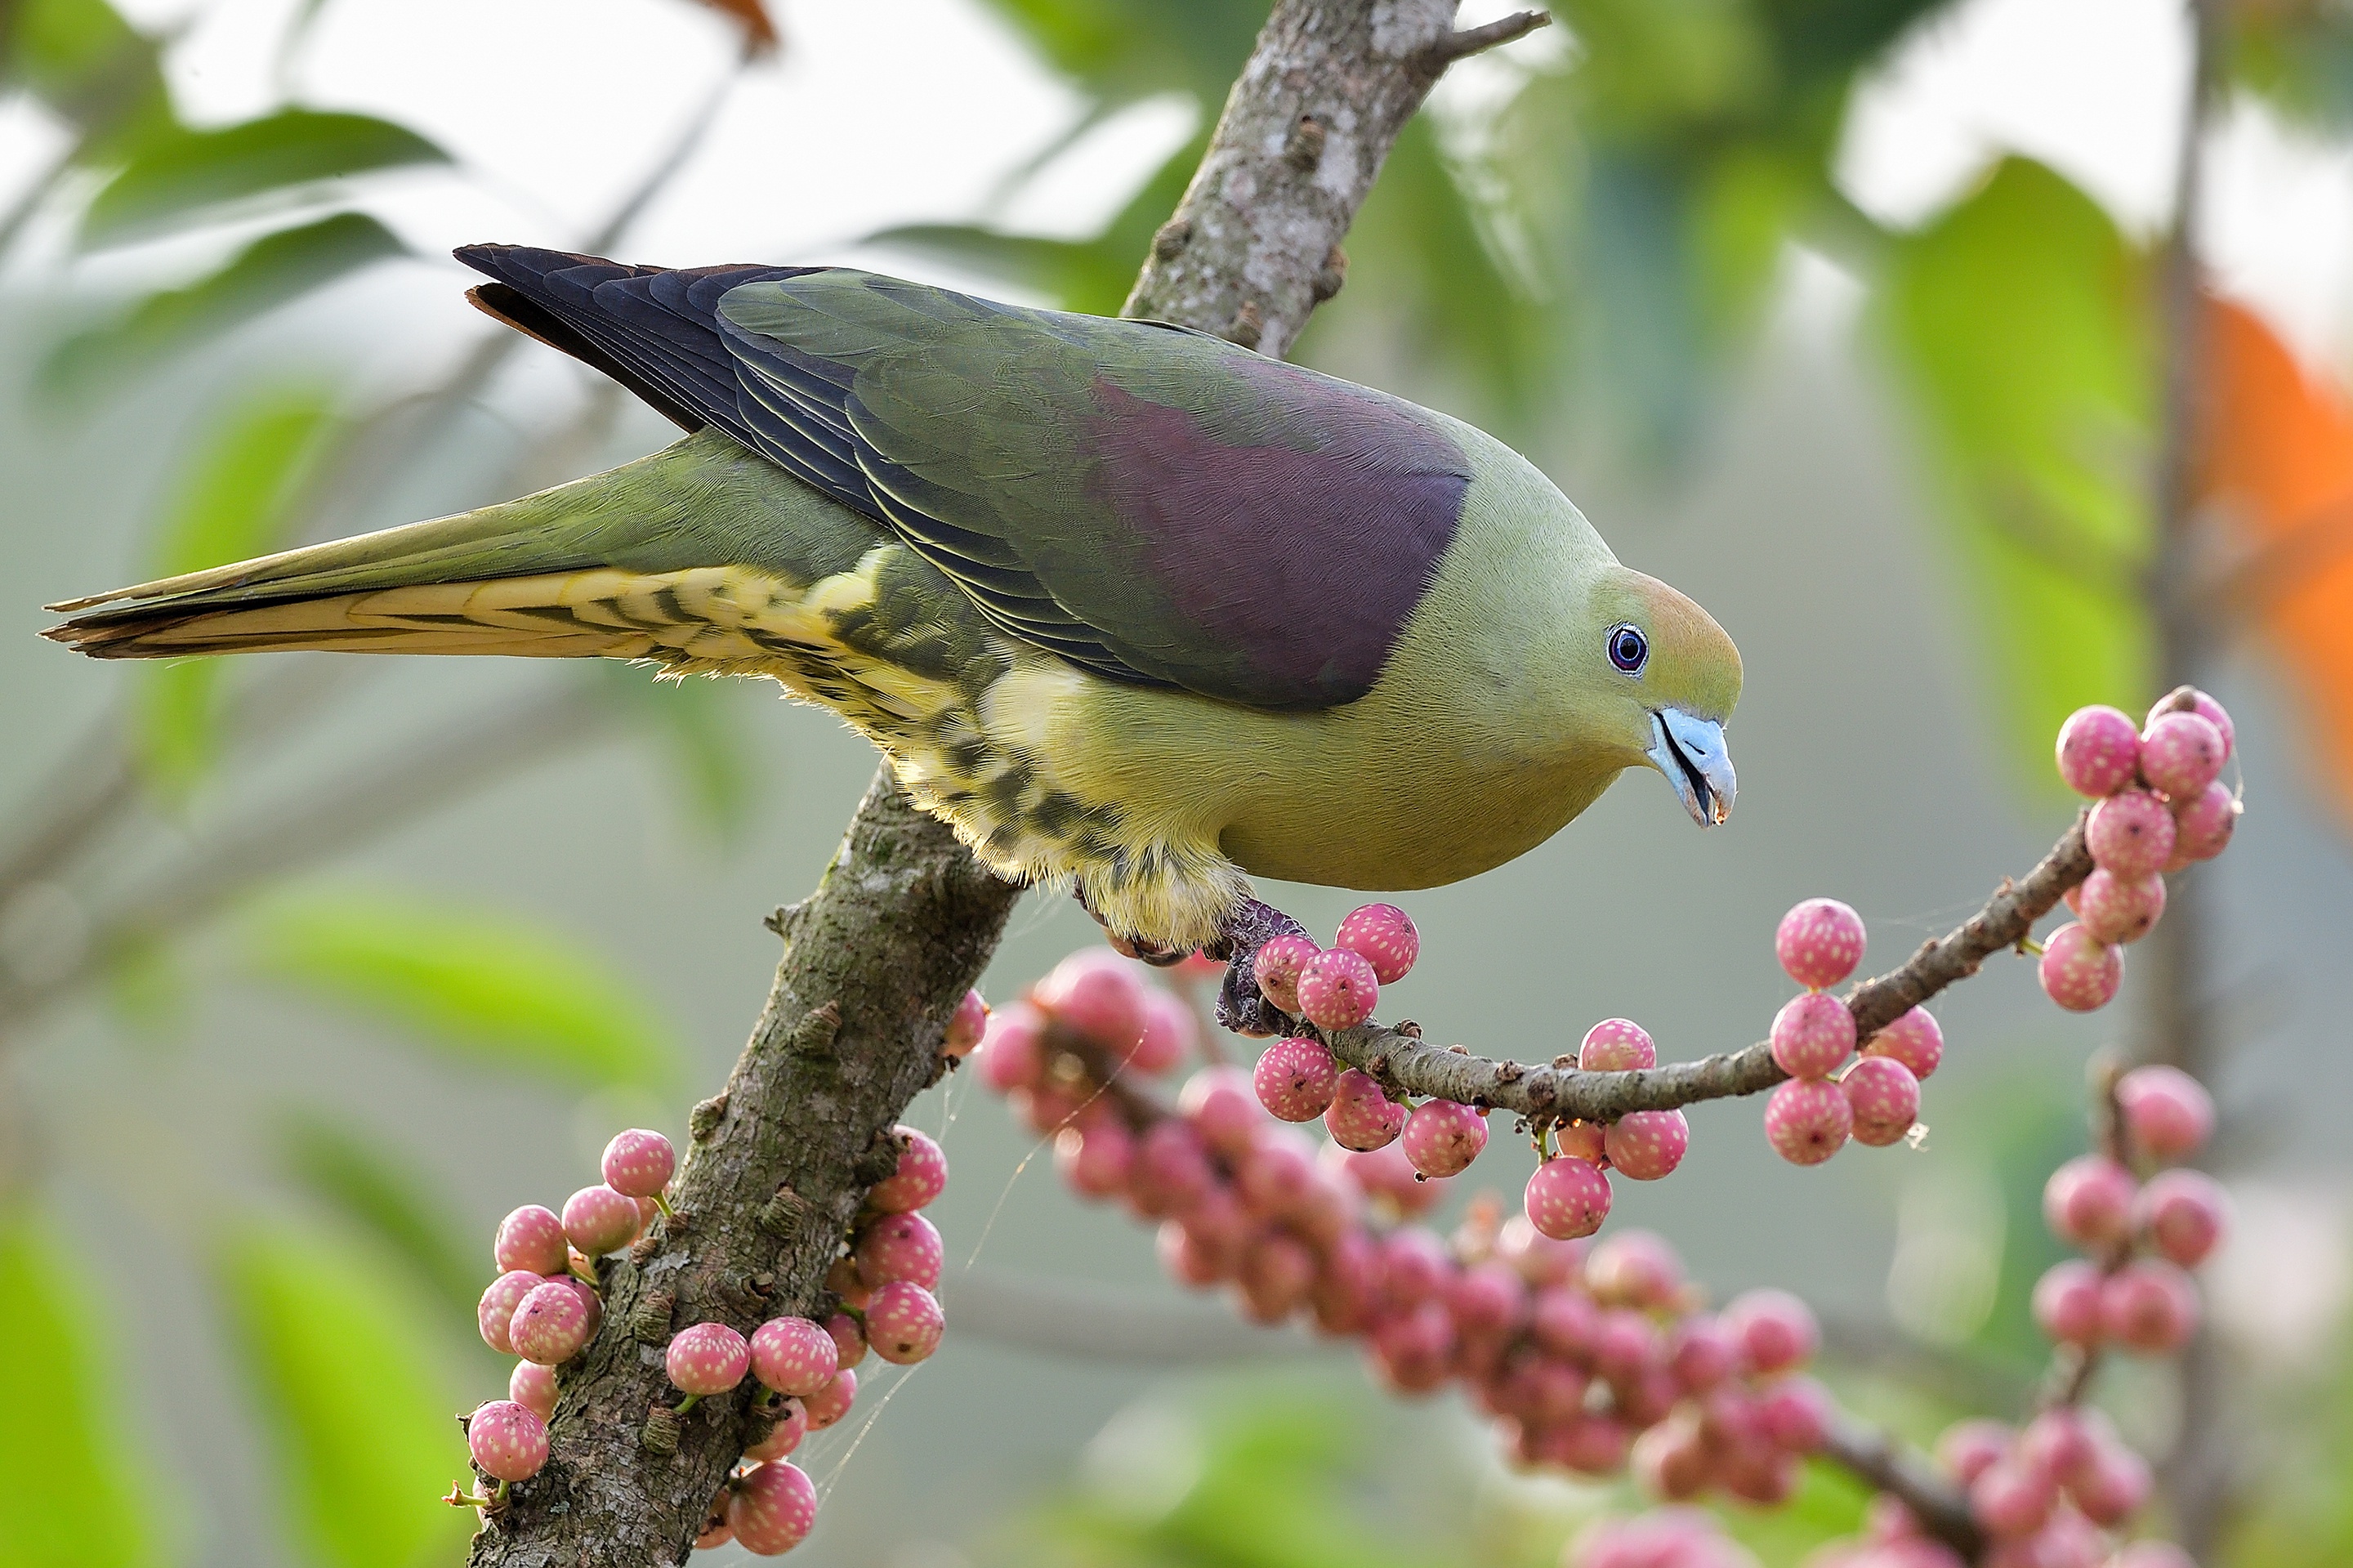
{"points": [[369, 1185]]}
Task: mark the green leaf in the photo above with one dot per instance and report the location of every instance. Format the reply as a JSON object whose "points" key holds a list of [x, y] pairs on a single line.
{"points": [[367, 1185], [64, 1492], [85, 63], [2019, 321], [358, 1411], [489, 990], [264, 275], [1827, 1506], [238, 495], [185, 177]]}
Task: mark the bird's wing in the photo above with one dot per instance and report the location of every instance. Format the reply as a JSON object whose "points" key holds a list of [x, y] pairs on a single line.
{"points": [[1157, 505]]}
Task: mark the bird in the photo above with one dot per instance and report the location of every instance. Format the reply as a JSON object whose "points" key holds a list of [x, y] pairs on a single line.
{"points": [[1134, 610]]}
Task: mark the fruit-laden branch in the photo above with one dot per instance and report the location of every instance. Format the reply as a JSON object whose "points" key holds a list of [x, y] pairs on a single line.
{"points": [[1407, 1064], [877, 960]]}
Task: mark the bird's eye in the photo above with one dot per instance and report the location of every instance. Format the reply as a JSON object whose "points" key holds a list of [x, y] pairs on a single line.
{"points": [[1629, 649]]}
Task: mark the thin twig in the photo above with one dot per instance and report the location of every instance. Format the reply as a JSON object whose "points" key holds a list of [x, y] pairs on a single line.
{"points": [[1477, 41]]}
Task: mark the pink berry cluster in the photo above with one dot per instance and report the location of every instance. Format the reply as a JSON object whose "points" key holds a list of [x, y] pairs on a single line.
{"points": [[2162, 806], [1093, 997], [1568, 1196], [1336, 987], [1662, 1538], [1874, 1098]]}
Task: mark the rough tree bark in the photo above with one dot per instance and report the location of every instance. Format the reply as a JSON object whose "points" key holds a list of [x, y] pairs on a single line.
{"points": [[905, 920]]}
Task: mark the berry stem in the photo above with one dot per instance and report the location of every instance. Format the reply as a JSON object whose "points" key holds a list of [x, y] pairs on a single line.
{"points": [[686, 1405]]}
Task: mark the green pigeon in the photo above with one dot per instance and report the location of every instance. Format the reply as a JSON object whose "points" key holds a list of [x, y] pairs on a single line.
{"points": [[1126, 605]]}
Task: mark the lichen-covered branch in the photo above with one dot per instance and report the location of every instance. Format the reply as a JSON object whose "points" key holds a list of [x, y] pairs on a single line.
{"points": [[1405, 1062]]}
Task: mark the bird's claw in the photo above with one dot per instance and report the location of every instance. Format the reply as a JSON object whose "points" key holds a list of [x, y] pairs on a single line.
{"points": [[1137, 947], [1241, 1006]]}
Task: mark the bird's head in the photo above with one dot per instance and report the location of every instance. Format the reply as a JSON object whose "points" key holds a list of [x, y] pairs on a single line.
{"points": [[1665, 677]]}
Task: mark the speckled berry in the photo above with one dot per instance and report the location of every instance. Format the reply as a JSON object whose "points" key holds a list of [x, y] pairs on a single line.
{"points": [[1616, 1045], [831, 1402], [531, 1238], [1812, 1034], [1362, 1116], [1644, 1146], [2011, 1501], [1169, 1034], [1968, 1449], [495, 1312], [2130, 834], [2202, 826], [1337, 989], [2079, 972], [1566, 1199], [1012, 1049], [1096, 993], [532, 1386], [707, 1359], [1487, 1299], [966, 1026], [1885, 1099], [551, 1324], [2181, 753], [2168, 1113], [1442, 1137], [1277, 968], [794, 1355], [1222, 1107], [772, 1509], [785, 1436], [1776, 1331], [1806, 1120], [2088, 1201], [2189, 699], [1384, 934], [597, 1220], [921, 1177], [899, 1247], [2150, 1306], [903, 1322], [2184, 1215], [2099, 751], [639, 1163], [1819, 942], [508, 1440], [2119, 909], [1701, 1352], [849, 1339], [1296, 1079], [2067, 1303]]}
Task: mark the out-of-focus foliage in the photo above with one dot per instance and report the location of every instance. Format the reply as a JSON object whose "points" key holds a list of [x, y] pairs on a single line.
{"points": [[2299, 54], [90, 67], [348, 1172]]}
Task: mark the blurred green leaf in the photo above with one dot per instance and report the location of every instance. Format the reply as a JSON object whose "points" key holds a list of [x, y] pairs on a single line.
{"points": [[2019, 321], [333, 1346], [85, 63], [190, 175], [1122, 51], [65, 1495], [1828, 1505], [266, 274], [491, 989], [250, 472], [368, 1185], [2299, 58], [697, 723]]}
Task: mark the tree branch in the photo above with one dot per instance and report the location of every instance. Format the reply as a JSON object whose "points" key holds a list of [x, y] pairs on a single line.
{"points": [[1480, 39], [1405, 1063], [1877, 1456]]}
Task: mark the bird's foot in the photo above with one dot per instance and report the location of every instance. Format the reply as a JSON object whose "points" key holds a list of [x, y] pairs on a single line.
{"points": [[1241, 1006], [1152, 953]]}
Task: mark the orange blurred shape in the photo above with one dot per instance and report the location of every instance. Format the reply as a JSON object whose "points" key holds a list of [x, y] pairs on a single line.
{"points": [[2278, 470], [752, 16]]}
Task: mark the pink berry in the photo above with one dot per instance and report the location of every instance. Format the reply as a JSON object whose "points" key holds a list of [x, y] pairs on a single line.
{"points": [[2059, 1442], [1337, 989], [1171, 1165], [849, 1339], [1386, 1175], [1223, 1107], [1096, 993], [794, 1355], [1913, 1039], [2130, 834], [1885, 1099], [507, 1440], [2067, 1303], [1796, 1414], [1296, 1079], [921, 1177], [2168, 1113], [2189, 699], [1701, 1352], [2079, 973], [841, 1278], [2181, 753], [1362, 1116], [2150, 1306], [1777, 1332], [2099, 751], [1634, 1268], [532, 1386], [1616, 1045], [639, 1163], [1644, 1146], [1564, 1320], [1384, 936], [1276, 1272], [1096, 1158], [2114, 1486], [1013, 1049], [1566, 1199], [2184, 1215], [903, 1322], [707, 1359], [2202, 827], [899, 1247], [1277, 968], [831, 1402], [1806, 1120], [598, 1220], [531, 1238], [792, 1426], [966, 1027], [1819, 942], [772, 1509], [1169, 1033], [1968, 1448], [1276, 1175], [496, 1311], [2088, 1201], [1487, 1299], [551, 1324], [2011, 1501], [2114, 909], [1812, 1034], [1442, 1137]]}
